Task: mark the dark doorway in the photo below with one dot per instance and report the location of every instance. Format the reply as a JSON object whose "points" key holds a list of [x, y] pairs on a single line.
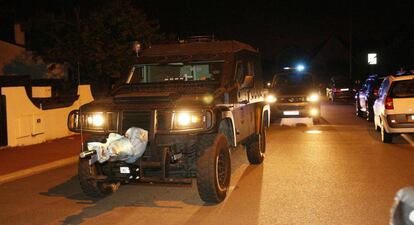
{"points": [[3, 121]]}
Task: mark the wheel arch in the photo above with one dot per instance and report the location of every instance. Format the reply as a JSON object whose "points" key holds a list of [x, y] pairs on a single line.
{"points": [[226, 126], [266, 115], [264, 111]]}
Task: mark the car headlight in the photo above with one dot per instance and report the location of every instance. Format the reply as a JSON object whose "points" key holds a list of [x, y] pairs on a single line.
{"points": [[96, 120], [270, 98], [313, 98], [314, 112], [93, 120], [188, 120]]}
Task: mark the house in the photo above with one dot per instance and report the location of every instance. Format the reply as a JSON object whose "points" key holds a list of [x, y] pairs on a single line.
{"points": [[15, 59], [330, 58]]}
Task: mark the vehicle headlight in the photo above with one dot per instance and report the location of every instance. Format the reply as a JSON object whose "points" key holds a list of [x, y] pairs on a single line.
{"points": [[96, 120], [313, 98], [271, 98], [314, 112], [188, 120], [93, 120]]}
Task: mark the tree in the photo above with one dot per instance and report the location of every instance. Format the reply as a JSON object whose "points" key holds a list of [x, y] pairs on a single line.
{"points": [[97, 36]]}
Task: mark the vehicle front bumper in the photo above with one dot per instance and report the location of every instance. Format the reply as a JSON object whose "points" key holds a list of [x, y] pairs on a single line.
{"points": [[302, 109], [343, 95]]}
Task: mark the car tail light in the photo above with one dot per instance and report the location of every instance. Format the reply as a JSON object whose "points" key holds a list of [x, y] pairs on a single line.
{"points": [[389, 104], [375, 91]]}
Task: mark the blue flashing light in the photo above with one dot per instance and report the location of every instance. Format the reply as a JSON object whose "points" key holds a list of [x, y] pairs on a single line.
{"points": [[300, 67]]}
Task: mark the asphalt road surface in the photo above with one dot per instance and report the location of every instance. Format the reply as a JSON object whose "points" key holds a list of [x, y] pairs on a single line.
{"points": [[337, 172]]}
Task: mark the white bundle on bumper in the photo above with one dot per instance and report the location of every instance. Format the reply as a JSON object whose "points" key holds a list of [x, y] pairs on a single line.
{"points": [[126, 148]]}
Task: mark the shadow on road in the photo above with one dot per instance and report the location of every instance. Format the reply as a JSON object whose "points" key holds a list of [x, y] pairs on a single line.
{"points": [[376, 135], [140, 195], [126, 196], [66, 190], [243, 204]]}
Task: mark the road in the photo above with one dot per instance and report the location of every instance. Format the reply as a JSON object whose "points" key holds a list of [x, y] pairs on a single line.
{"points": [[337, 172]]}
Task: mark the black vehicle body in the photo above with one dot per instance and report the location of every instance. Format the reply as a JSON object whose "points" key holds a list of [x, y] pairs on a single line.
{"points": [[231, 105], [340, 88], [299, 97], [365, 97]]}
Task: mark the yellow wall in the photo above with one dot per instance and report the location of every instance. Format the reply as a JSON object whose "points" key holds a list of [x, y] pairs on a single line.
{"points": [[27, 124]]}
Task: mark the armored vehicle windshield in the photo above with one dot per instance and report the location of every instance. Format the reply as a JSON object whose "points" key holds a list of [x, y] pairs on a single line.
{"points": [[177, 71]]}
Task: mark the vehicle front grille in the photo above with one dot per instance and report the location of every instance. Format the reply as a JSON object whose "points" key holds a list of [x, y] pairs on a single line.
{"points": [[291, 99], [290, 107], [164, 120], [141, 119]]}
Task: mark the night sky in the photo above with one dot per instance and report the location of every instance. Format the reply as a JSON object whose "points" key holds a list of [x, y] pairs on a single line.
{"points": [[265, 23], [302, 27]]}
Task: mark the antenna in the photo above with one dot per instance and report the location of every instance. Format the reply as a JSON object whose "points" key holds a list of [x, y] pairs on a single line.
{"points": [[80, 104]]}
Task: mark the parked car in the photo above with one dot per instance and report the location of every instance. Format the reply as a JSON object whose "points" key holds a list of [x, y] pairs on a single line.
{"points": [[294, 94], [394, 107], [197, 100], [340, 88], [365, 97]]}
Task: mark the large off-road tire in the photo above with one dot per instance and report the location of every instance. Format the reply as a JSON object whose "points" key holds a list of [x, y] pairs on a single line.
{"points": [[385, 136], [91, 187], [256, 147], [214, 169]]}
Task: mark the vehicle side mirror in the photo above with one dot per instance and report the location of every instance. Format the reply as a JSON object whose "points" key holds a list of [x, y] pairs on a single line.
{"points": [[248, 82]]}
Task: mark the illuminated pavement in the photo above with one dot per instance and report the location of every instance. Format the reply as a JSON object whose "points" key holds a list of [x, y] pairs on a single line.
{"points": [[337, 173]]}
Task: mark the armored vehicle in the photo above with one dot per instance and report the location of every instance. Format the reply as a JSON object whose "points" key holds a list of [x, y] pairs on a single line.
{"points": [[197, 99]]}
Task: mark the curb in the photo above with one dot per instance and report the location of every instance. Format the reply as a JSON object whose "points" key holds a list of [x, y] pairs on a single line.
{"points": [[37, 169]]}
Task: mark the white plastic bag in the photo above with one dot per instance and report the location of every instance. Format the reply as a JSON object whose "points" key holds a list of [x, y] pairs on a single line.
{"points": [[126, 148]]}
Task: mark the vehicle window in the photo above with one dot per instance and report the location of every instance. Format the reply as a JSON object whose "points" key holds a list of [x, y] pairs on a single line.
{"points": [[383, 88], [240, 71], [343, 83], [250, 69], [364, 87], [402, 89], [136, 75], [378, 83], [294, 79], [369, 84], [175, 72]]}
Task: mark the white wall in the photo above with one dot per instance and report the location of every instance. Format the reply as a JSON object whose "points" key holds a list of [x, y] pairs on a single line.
{"points": [[27, 124]]}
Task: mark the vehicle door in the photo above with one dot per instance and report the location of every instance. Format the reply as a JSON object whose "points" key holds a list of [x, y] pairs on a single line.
{"points": [[382, 94], [244, 111], [367, 91], [362, 96]]}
